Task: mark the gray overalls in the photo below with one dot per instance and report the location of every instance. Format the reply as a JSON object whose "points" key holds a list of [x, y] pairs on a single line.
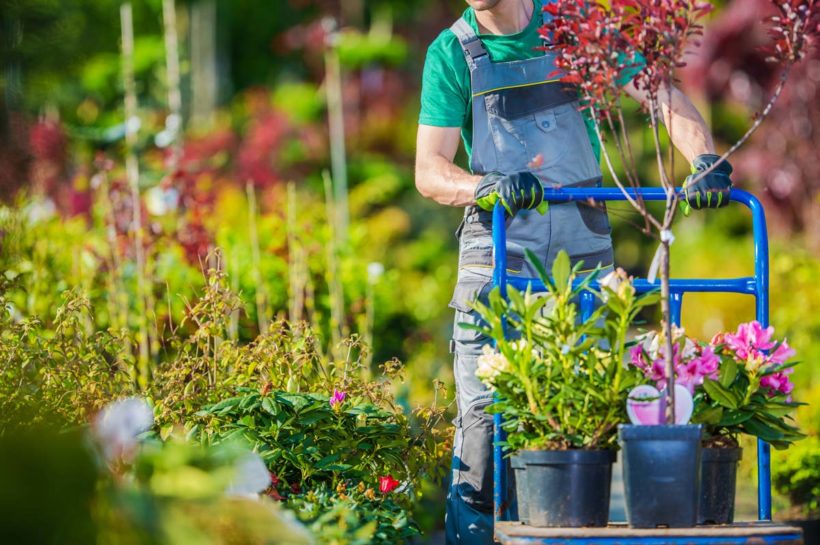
{"points": [[518, 113]]}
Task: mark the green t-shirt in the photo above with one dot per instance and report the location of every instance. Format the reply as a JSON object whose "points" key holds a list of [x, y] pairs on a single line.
{"points": [[445, 88]]}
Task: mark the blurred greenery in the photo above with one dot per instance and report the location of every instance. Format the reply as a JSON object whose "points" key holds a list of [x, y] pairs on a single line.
{"points": [[249, 181]]}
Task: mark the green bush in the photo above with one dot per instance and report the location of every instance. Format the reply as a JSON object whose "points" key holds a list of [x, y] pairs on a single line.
{"points": [[796, 475]]}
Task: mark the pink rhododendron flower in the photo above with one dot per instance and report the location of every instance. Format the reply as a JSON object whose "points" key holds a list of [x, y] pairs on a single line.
{"points": [[337, 398], [636, 357], [749, 340], [782, 353], [708, 363], [687, 374], [657, 373], [777, 383]]}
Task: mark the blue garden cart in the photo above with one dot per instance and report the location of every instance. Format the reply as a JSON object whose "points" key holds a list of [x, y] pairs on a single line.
{"points": [[760, 532]]}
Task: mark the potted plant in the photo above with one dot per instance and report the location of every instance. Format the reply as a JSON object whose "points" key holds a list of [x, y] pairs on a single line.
{"points": [[661, 461], [560, 385], [740, 384]]}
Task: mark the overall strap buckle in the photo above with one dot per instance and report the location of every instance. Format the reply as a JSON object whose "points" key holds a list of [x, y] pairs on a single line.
{"points": [[474, 51]]}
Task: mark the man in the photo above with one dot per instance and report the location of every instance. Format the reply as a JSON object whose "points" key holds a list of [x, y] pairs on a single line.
{"points": [[485, 81]]}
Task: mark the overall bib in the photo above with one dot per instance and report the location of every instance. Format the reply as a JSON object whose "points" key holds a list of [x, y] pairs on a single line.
{"points": [[518, 113]]}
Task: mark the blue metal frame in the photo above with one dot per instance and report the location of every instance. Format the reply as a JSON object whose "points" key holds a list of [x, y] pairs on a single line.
{"points": [[757, 285]]}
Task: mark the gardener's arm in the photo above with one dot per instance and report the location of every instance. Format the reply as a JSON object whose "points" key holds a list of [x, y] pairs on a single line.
{"points": [[437, 177], [689, 133], [686, 127]]}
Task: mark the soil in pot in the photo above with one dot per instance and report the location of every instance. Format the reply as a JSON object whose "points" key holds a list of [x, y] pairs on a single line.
{"points": [[661, 474], [718, 477], [568, 488], [519, 469]]}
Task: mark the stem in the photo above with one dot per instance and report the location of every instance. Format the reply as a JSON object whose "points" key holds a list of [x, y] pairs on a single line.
{"points": [[635, 204], [169, 19], [333, 280], [336, 127], [667, 329], [132, 171], [296, 260], [261, 295]]}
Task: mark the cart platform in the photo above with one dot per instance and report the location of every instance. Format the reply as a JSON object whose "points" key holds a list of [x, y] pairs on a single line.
{"points": [[742, 533]]}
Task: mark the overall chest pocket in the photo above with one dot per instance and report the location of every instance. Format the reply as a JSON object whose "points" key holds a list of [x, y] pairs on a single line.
{"points": [[523, 122]]}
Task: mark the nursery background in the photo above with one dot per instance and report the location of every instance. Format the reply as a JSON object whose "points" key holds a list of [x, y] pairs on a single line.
{"points": [[206, 203]]}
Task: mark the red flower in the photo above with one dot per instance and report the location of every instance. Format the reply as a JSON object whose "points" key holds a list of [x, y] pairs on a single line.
{"points": [[387, 484]]}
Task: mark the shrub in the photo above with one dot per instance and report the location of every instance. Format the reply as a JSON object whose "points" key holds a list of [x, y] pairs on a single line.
{"points": [[557, 386], [796, 475], [67, 372]]}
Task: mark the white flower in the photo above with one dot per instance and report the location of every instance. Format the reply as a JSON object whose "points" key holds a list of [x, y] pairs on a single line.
{"points": [[40, 209], [160, 201], [618, 283], [374, 271], [489, 365], [119, 425], [251, 477], [610, 281], [132, 125]]}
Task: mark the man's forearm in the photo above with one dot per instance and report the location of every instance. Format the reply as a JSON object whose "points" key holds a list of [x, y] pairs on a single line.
{"points": [[686, 127], [439, 179]]}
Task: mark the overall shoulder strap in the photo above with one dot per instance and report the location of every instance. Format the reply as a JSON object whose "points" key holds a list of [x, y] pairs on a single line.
{"points": [[474, 51]]}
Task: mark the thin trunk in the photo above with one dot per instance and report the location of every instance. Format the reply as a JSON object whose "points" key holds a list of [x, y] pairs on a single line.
{"points": [[132, 172], [335, 288], [261, 292], [667, 325], [336, 127], [204, 64], [297, 273], [173, 123]]}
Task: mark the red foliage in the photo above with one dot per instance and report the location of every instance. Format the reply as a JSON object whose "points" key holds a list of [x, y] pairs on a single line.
{"points": [[47, 141], [593, 42]]}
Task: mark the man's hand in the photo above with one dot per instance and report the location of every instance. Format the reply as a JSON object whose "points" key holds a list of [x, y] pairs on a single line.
{"points": [[515, 191], [712, 190]]}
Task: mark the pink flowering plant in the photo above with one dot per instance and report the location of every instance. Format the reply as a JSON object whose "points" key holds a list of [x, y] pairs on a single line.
{"points": [[739, 381]]}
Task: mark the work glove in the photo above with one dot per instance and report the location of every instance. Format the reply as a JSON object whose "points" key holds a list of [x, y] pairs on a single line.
{"points": [[516, 192], [712, 190]]}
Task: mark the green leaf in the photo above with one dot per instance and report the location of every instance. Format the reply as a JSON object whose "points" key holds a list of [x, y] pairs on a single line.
{"points": [[710, 415], [536, 263], [728, 373], [650, 298], [733, 418], [720, 394], [759, 429], [561, 270]]}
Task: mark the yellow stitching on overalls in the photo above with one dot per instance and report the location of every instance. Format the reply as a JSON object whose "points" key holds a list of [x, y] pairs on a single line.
{"points": [[515, 86], [489, 267]]}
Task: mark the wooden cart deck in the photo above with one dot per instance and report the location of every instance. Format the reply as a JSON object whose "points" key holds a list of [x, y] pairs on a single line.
{"points": [[744, 533]]}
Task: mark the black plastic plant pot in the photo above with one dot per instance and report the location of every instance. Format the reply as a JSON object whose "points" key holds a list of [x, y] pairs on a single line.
{"points": [[568, 488], [519, 472], [718, 476], [661, 475]]}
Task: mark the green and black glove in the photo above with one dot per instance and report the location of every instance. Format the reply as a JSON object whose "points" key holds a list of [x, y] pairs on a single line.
{"points": [[516, 192], [712, 190]]}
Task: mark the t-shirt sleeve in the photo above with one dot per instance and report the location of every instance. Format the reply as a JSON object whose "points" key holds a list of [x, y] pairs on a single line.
{"points": [[445, 93], [630, 67]]}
